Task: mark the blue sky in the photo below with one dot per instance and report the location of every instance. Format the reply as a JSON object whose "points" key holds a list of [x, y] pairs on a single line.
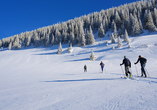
{"points": [[17, 16]]}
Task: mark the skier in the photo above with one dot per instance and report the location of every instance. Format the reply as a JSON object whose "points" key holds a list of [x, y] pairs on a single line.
{"points": [[102, 66], [85, 68], [143, 64], [127, 64]]}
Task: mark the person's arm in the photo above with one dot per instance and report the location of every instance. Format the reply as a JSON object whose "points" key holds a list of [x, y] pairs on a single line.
{"points": [[137, 61], [122, 63]]}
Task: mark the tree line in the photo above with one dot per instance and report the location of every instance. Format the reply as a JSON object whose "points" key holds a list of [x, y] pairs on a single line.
{"points": [[128, 19]]}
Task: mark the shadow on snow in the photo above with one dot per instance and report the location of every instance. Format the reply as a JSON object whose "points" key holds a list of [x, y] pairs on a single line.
{"points": [[77, 80]]}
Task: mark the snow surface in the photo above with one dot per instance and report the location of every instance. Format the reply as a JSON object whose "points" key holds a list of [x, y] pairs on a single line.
{"points": [[39, 79]]}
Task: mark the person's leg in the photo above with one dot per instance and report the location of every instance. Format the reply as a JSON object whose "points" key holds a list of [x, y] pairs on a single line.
{"points": [[143, 70], [102, 68], [126, 71]]}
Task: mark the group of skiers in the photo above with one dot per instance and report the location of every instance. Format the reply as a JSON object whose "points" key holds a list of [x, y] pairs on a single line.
{"points": [[127, 65], [101, 64]]}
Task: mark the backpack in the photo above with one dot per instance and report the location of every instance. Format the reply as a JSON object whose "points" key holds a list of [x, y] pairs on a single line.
{"points": [[145, 60], [102, 64], [127, 62]]}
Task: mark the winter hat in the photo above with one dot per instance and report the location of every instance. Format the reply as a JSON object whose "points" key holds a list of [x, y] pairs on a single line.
{"points": [[140, 56], [124, 56]]}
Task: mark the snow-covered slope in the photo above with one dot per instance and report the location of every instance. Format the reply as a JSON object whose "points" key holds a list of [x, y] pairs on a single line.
{"points": [[39, 79]]}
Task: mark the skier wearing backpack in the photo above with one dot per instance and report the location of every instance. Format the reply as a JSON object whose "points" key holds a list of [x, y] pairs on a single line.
{"points": [[127, 65], [102, 66], [143, 64], [85, 68]]}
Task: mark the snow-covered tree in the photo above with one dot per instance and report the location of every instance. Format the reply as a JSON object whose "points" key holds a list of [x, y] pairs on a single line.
{"points": [[92, 56], [0, 43], [46, 40], [115, 31], [129, 46], [90, 36], [135, 31], [72, 38], [10, 46], [112, 38], [65, 35], [113, 48], [117, 19], [113, 26], [60, 49], [101, 32], [155, 17], [126, 37], [121, 30], [82, 40], [140, 25], [36, 41], [28, 41], [70, 49], [106, 43], [52, 40], [16, 44], [57, 36], [119, 43], [149, 23]]}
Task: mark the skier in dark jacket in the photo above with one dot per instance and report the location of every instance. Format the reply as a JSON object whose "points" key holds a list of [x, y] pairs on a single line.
{"points": [[85, 68], [102, 66], [143, 64], [127, 65]]}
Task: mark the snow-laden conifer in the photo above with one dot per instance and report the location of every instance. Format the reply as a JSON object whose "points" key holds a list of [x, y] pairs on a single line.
{"points": [[92, 56], [115, 31], [121, 30], [0, 43], [106, 43], [65, 37], [112, 38], [119, 43], [70, 49], [149, 23], [46, 40], [60, 49], [57, 36], [135, 29], [126, 37], [155, 17], [82, 40], [90, 36], [72, 38], [28, 37], [113, 48], [52, 40], [10, 46], [117, 19], [36, 40], [101, 32], [140, 25], [16, 45]]}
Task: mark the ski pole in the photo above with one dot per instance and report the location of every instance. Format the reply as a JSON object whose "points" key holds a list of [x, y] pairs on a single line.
{"points": [[136, 70], [147, 72], [122, 70], [131, 70]]}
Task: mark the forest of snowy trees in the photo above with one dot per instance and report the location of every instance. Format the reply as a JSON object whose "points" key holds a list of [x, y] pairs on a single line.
{"points": [[129, 19]]}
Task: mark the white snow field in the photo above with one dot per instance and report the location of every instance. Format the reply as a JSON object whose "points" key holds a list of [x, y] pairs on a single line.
{"points": [[39, 79]]}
